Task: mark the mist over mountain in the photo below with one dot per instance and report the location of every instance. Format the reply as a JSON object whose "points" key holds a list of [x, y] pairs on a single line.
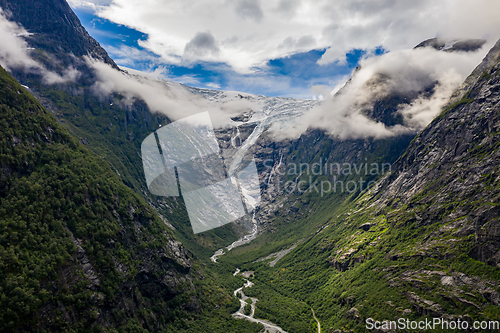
{"points": [[421, 79], [377, 202]]}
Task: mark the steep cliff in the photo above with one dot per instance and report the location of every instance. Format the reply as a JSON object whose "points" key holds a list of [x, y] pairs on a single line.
{"points": [[55, 29], [450, 171]]}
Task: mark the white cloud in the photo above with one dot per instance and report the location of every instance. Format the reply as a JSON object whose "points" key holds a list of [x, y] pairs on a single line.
{"points": [[346, 114], [424, 109], [92, 5], [13, 48], [14, 53], [212, 85], [132, 56], [69, 75], [247, 33], [169, 98]]}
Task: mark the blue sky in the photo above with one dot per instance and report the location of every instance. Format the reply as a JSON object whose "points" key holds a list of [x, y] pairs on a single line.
{"points": [[291, 76], [273, 47]]}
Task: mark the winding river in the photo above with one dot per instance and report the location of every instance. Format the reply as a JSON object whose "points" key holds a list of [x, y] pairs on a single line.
{"points": [[240, 314], [269, 327]]}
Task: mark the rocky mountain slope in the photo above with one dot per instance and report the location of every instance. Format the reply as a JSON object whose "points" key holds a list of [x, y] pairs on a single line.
{"points": [[423, 243], [77, 245], [449, 173], [55, 29]]}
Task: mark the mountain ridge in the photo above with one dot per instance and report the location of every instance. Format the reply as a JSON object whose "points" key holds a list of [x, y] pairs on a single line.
{"points": [[56, 29]]}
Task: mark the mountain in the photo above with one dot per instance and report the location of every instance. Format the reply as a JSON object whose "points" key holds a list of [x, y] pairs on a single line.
{"points": [[423, 243], [111, 125], [56, 30], [80, 251], [281, 216], [452, 45], [114, 125], [74, 240], [464, 135], [414, 245]]}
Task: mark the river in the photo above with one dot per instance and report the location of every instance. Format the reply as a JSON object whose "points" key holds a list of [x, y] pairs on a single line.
{"points": [[240, 314], [243, 240]]}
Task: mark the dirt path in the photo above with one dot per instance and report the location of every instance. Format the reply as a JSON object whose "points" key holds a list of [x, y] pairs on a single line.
{"points": [[319, 325]]}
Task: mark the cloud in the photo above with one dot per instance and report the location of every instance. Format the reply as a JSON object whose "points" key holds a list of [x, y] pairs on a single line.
{"points": [[13, 48], [346, 112], [158, 96], [424, 109], [131, 56], [14, 53], [68, 75], [202, 45], [172, 99], [253, 32], [303, 43], [92, 5], [249, 9], [287, 8], [212, 85]]}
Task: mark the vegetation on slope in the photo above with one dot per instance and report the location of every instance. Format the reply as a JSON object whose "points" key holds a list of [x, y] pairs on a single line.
{"points": [[79, 251], [422, 244]]}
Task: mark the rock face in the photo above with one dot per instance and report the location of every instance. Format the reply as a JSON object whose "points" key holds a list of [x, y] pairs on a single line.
{"points": [[452, 167], [56, 28], [87, 268], [464, 45]]}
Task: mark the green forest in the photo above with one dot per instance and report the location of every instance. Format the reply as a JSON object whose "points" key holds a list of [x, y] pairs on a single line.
{"points": [[77, 245]]}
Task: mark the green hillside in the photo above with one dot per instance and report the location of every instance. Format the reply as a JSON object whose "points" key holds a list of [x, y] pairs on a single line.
{"points": [[79, 251]]}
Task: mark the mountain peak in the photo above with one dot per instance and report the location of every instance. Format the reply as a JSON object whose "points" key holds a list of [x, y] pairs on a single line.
{"points": [[451, 45], [55, 28]]}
